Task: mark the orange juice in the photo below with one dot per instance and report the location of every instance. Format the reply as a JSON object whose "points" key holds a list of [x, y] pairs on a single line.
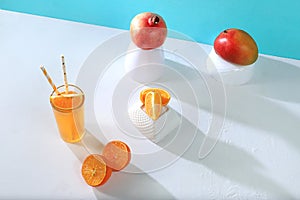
{"points": [[69, 113]]}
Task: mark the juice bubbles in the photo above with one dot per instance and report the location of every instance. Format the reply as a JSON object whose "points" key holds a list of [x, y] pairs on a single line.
{"points": [[69, 113]]}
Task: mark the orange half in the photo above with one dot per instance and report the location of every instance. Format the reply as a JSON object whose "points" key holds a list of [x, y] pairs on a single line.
{"points": [[165, 96], [117, 154], [153, 104], [94, 170]]}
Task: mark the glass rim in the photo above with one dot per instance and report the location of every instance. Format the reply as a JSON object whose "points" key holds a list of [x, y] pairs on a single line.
{"points": [[71, 108]]}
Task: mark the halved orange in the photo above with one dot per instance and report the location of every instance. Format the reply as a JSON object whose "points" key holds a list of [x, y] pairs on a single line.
{"points": [[165, 96], [94, 170], [117, 154], [153, 104]]}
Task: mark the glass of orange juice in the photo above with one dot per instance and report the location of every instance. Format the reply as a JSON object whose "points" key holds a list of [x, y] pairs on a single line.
{"points": [[68, 108]]}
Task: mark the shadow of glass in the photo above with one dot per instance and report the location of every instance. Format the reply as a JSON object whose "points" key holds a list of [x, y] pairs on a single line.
{"points": [[227, 161], [120, 185], [88, 145]]}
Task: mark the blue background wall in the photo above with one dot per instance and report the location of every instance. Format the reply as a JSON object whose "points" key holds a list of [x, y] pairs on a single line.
{"points": [[274, 24]]}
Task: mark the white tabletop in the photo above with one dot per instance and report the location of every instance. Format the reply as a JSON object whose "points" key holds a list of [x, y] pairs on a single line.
{"points": [[257, 157]]}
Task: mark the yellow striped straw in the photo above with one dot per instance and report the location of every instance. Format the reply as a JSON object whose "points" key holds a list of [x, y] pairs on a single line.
{"points": [[65, 73], [49, 80]]}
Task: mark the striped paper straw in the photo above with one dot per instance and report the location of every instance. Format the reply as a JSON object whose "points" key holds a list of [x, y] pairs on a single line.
{"points": [[49, 80], [65, 73]]}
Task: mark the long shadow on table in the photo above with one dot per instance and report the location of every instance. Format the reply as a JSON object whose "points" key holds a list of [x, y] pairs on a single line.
{"points": [[259, 103], [276, 80], [253, 104], [262, 102], [225, 160], [121, 185]]}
